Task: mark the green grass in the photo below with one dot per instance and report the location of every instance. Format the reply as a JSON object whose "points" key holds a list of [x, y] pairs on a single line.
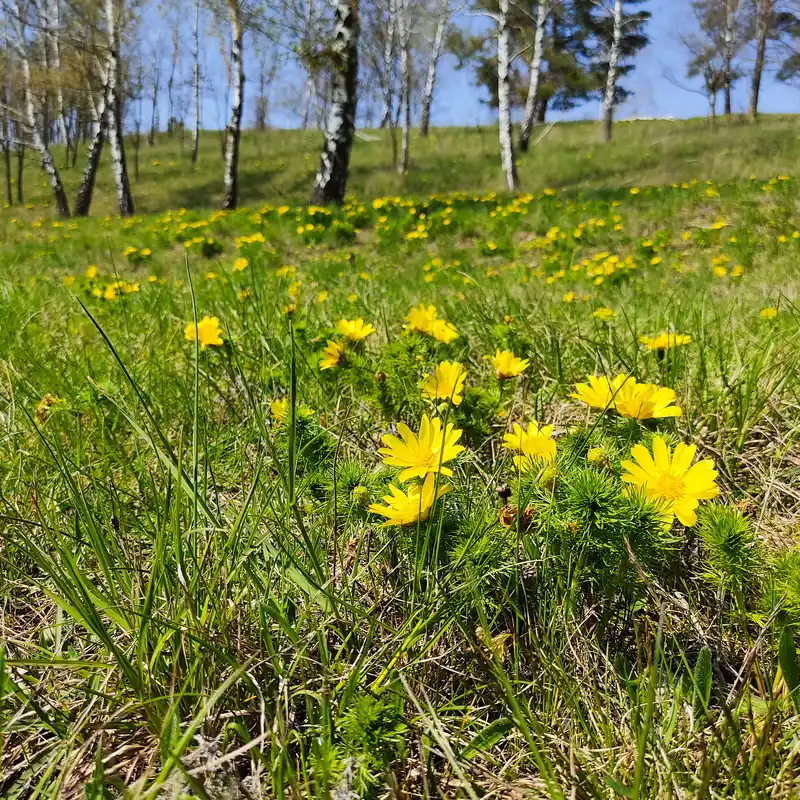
{"points": [[194, 594], [279, 166]]}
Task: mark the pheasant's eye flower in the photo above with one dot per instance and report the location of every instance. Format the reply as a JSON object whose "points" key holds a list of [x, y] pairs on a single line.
{"points": [[535, 446], [599, 392], [331, 355], [354, 329], [507, 365], [278, 409], [443, 331], [415, 506], [446, 383], [671, 479], [768, 313], [91, 272], [240, 264], [645, 401], [208, 332], [423, 453], [665, 340], [420, 319], [604, 314]]}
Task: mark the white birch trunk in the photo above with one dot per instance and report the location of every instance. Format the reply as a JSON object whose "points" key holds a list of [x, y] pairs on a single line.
{"points": [[610, 92], [528, 121], [231, 179], [504, 99], [48, 165], [763, 26], [54, 27], [151, 138], [83, 199], [388, 63], [196, 82], [404, 29], [334, 164], [116, 143], [730, 10], [433, 64]]}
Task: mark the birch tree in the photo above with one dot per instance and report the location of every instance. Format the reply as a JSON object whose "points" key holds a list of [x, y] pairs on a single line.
{"points": [[507, 157], [331, 180], [610, 90], [388, 64], [405, 11], [528, 120], [441, 20], [156, 78], [83, 199], [113, 82], [196, 81], [19, 42], [234, 129], [51, 43]]}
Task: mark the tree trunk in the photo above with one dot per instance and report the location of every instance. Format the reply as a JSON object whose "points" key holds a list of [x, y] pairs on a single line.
{"points": [[331, 180], [20, 172], [171, 81], [196, 82], [610, 93], [504, 99], [730, 9], [535, 71], [48, 165], [433, 63], [7, 159], [231, 180], [388, 61], [54, 28], [763, 26], [151, 138], [540, 111], [404, 24], [116, 142], [83, 200]]}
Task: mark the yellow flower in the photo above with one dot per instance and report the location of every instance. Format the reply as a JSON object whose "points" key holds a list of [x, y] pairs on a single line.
{"points": [[507, 365], [423, 453], [635, 190], [671, 480], [208, 332], [719, 271], [145, 251], [322, 296], [354, 329], [91, 272], [604, 313], [645, 401], [240, 264], [665, 341], [415, 506], [569, 297], [443, 331], [599, 392], [278, 409], [596, 455], [768, 313], [535, 446], [447, 382], [68, 280], [331, 355]]}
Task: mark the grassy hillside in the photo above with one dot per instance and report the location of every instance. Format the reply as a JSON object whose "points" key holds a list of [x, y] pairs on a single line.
{"points": [[279, 166], [223, 574]]}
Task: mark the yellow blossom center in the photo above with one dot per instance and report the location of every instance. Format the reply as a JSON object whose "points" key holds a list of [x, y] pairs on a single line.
{"points": [[669, 487]]}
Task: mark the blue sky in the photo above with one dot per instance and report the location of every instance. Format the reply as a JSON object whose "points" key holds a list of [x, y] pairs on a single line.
{"points": [[459, 102]]}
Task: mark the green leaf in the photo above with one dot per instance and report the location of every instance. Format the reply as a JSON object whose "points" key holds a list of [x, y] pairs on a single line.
{"points": [[702, 678], [787, 658], [492, 734]]}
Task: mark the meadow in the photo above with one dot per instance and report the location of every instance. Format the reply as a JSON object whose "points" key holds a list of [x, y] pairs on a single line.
{"points": [[441, 493]]}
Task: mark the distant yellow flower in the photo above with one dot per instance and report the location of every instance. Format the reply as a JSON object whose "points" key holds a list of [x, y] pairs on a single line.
{"points": [[240, 264], [68, 280], [322, 296], [596, 455], [208, 332], [768, 313], [408, 508], [506, 365], [443, 331], [665, 340], [423, 453], [278, 409], [569, 297], [352, 298], [91, 272], [354, 329], [635, 190], [145, 251], [424, 319], [719, 271], [447, 382], [535, 446], [604, 314], [331, 355], [671, 480]]}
